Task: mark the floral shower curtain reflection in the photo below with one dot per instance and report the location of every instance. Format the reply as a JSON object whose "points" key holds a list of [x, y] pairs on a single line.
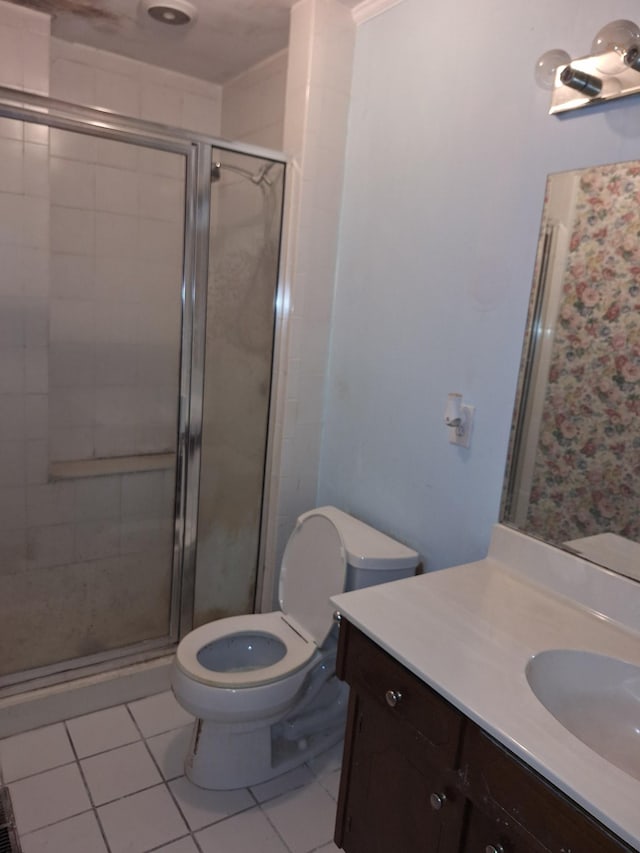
{"points": [[586, 469]]}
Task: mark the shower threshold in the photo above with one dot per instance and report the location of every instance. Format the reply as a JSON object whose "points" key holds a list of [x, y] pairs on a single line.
{"points": [[83, 689]]}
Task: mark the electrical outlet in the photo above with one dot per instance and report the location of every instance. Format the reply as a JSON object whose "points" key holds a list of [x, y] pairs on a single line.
{"points": [[463, 440]]}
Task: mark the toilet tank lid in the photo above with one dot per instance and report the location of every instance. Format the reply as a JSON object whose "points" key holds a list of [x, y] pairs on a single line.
{"points": [[366, 547]]}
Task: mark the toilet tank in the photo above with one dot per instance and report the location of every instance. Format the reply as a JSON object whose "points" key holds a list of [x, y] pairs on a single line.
{"points": [[372, 556]]}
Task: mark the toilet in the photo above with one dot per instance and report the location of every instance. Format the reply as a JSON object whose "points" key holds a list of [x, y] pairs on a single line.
{"points": [[263, 686]]}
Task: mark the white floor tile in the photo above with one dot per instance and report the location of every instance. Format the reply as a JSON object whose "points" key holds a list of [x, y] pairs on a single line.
{"points": [[142, 821], [102, 730], [305, 817], [185, 845], [48, 797], [250, 831], [32, 752], [328, 848], [79, 834], [121, 771], [201, 807], [170, 750], [296, 778], [159, 713]]}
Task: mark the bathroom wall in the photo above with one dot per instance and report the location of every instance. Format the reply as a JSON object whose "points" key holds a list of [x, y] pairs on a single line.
{"points": [[448, 150], [253, 104], [320, 56]]}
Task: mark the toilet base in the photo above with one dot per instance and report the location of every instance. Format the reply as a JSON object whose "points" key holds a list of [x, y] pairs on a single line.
{"points": [[220, 759], [212, 766]]}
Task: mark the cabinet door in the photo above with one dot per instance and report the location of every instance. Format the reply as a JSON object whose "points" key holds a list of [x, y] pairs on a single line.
{"points": [[388, 793], [525, 805]]}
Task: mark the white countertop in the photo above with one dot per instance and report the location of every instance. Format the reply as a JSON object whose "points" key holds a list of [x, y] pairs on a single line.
{"points": [[469, 631]]}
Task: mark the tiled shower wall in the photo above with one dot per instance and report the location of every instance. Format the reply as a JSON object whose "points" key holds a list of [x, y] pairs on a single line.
{"points": [[116, 259], [253, 104]]}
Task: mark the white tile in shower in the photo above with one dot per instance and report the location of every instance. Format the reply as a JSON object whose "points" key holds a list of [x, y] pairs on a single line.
{"points": [[80, 834], [201, 807], [71, 276], [305, 817], [11, 166], [51, 503], [170, 749], [72, 81], [142, 821], [296, 778], [159, 713], [117, 92], [111, 153], [48, 797], [72, 183], [32, 752], [13, 512], [102, 730], [119, 772], [116, 190], [72, 230], [95, 540], [72, 146], [12, 361], [116, 234], [50, 546], [249, 831], [12, 463]]}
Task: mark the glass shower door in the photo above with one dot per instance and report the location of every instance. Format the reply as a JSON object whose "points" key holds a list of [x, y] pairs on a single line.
{"points": [[91, 252], [246, 213]]}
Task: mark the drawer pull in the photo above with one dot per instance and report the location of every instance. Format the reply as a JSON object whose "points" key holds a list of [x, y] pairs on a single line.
{"points": [[393, 697], [437, 802], [494, 848]]}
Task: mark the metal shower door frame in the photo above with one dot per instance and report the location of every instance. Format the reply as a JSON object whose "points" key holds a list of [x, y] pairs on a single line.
{"points": [[197, 149]]}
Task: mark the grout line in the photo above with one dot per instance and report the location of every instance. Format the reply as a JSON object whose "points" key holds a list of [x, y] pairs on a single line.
{"points": [[86, 785]]}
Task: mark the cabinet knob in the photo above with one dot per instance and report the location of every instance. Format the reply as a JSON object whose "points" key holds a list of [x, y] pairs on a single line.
{"points": [[437, 802], [337, 616], [393, 697], [494, 848]]}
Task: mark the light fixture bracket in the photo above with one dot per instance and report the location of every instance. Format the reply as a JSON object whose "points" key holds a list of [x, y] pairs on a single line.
{"points": [[563, 98]]}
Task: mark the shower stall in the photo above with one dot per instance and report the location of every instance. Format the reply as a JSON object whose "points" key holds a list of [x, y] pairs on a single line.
{"points": [[138, 293]]}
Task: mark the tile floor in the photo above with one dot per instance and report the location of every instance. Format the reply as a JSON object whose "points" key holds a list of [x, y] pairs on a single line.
{"points": [[112, 782]]}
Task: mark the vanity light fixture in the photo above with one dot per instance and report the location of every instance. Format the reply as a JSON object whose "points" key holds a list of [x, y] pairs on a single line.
{"points": [[612, 70], [458, 416]]}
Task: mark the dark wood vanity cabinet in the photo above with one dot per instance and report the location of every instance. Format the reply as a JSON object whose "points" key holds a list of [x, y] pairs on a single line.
{"points": [[419, 777]]}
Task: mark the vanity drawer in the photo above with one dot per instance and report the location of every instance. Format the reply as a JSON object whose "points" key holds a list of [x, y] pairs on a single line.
{"points": [[368, 668], [516, 800]]}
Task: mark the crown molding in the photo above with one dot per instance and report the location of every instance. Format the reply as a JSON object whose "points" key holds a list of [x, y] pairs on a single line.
{"points": [[370, 8]]}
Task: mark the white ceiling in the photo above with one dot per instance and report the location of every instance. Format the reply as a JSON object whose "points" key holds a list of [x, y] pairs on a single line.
{"points": [[226, 38]]}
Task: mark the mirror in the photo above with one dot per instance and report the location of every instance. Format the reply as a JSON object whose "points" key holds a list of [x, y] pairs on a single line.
{"points": [[573, 471]]}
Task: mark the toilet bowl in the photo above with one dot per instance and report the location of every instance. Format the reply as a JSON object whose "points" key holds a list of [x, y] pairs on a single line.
{"points": [[263, 686]]}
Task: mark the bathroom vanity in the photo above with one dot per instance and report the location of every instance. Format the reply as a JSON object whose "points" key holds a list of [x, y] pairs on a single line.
{"points": [[448, 748]]}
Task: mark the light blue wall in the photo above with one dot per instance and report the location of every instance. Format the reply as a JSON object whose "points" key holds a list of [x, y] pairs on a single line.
{"points": [[449, 147]]}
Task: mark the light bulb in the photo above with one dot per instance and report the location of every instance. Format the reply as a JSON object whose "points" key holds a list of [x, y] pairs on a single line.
{"points": [[612, 42], [547, 65]]}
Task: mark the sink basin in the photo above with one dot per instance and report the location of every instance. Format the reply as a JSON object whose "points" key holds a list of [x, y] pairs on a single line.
{"points": [[596, 698]]}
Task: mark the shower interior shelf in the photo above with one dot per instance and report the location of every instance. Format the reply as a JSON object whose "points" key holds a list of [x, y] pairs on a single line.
{"points": [[76, 469]]}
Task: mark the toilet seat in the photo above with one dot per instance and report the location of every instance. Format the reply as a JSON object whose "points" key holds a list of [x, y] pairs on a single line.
{"points": [[298, 643]]}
